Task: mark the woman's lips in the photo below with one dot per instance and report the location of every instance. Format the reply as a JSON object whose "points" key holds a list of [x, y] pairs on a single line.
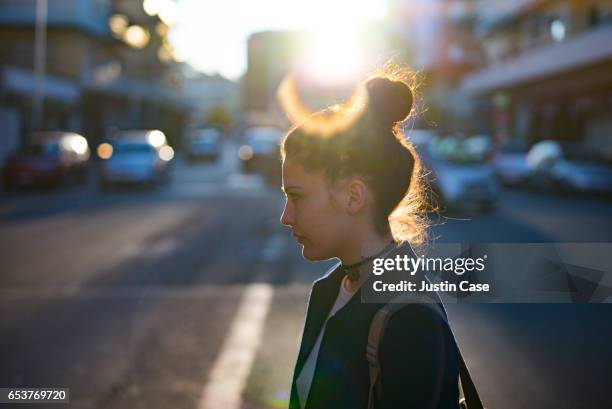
{"points": [[299, 239]]}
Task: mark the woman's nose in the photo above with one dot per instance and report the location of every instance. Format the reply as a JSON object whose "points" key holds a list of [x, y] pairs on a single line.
{"points": [[287, 216]]}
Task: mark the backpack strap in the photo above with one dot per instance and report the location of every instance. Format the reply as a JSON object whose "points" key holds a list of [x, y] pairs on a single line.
{"points": [[377, 329]]}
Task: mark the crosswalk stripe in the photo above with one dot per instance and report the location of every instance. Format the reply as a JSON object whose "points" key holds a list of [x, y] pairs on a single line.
{"points": [[231, 369]]}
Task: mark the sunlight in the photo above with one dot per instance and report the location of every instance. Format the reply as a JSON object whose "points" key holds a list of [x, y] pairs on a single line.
{"points": [[167, 10], [333, 55], [212, 37]]}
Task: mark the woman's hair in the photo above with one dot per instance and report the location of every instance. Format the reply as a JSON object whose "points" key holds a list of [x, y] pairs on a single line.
{"points": [[364, 138]]}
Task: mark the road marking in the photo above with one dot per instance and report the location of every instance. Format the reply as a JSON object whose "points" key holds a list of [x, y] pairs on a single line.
{"points": [[229, 373]]}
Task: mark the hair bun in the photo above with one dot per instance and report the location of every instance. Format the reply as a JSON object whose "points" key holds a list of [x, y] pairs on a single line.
{"points": [[390, 100]]}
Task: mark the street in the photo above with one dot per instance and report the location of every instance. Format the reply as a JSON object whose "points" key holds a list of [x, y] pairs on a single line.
{"points": [[128, 296]]}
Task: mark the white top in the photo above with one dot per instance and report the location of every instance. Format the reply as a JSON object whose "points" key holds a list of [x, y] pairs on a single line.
{"points": [[304, 380]]}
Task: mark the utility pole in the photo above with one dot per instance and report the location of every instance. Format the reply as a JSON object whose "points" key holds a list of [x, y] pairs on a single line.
{"points": [[40, 56]]}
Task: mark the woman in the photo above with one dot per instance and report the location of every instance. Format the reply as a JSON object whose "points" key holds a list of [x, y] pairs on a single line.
{"points": [[353, 191]]}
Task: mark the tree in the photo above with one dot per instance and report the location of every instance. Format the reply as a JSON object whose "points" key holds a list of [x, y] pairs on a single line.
{"points": [[219, 117]]}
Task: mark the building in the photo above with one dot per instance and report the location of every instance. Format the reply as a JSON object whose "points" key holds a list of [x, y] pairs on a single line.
{"points": [[548, 71], [269, 58], [102, 68], [326, 74], [203, 93], [437, 39]]}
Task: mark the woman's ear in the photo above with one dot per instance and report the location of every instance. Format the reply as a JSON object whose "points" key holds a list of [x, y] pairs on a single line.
{"points": [[357, 193]]}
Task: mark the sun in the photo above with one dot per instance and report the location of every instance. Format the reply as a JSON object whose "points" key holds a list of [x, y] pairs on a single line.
{"points": [[333, 55], [212, 36]]}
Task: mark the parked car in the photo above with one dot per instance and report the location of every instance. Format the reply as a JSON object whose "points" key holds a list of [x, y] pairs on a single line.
{"points": [[511, 164], [135, 157], [203, 144], [570, 166], [153, 137], [421, 136], [49, 158], [461, 176], [260, 152]]}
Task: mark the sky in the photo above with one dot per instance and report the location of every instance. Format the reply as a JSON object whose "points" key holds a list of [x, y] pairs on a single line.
{"points": [[211, 35]]}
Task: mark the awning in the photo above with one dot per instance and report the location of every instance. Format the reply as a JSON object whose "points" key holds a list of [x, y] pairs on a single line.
{"points": [[21, 81]]}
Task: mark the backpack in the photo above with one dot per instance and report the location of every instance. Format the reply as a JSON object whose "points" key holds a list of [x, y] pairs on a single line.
{"points": [[471, 400]]}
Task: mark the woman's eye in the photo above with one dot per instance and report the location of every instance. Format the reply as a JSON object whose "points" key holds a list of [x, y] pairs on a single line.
{"points": [[293, 197]]}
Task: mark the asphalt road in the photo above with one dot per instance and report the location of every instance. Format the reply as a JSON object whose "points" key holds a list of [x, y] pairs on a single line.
{"points": [[128, 297]]}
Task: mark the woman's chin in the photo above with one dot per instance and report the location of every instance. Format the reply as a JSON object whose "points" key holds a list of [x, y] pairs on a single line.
{"points": [[311, 254], [307, 254]]}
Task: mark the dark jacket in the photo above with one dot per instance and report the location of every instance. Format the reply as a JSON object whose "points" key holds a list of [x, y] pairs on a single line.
{"points": [[418, 355]]}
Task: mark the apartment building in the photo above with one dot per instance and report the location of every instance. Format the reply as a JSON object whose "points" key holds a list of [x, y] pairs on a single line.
{"points": [[92, 78], [548, 70]]}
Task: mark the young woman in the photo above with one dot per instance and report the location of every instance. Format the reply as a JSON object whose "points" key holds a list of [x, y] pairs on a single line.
{"points": [[353, 187]]}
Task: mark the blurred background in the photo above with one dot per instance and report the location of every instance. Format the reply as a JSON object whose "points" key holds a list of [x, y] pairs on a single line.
{"points": [[140, 198]]}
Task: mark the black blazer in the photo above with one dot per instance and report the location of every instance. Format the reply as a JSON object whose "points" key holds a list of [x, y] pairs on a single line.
{"points": [[418, 355]]}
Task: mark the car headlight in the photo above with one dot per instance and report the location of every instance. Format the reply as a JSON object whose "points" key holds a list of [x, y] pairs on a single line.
{"points": [[166, 153], [105, 151], [245, 152]]}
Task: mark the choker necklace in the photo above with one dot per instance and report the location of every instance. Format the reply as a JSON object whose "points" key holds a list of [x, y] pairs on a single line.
{"points": [[352, 270]]}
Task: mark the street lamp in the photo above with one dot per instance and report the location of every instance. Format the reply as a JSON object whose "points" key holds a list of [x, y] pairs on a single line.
{"points": [[40, 55]]}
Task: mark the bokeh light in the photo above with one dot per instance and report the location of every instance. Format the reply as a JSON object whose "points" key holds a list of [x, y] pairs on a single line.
{"points": [[152, 7], [156, 138], [245, 152], [105, 151], [136, 36], [118, 23], [79, 144], [166, 153]]}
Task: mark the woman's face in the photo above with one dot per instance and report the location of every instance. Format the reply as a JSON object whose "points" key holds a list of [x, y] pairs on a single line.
{"points": [[318, 225]]}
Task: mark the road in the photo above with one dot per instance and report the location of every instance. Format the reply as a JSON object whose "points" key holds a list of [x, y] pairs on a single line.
{"points": [[131, 297]]}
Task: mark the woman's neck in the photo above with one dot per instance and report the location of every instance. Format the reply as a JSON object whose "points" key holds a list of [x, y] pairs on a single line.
{"points": [[368, 246]]}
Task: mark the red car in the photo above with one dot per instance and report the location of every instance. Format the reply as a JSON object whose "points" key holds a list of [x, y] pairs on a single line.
{"points": [[52, 158]]}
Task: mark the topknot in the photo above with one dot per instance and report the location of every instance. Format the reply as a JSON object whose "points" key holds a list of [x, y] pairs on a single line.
{"points": [[391, 101]]}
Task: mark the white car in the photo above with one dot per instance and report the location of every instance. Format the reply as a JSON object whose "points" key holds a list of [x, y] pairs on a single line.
{"points": [[570, 166], [461, 175], [260, 152], [511, 165], [133, 162]]}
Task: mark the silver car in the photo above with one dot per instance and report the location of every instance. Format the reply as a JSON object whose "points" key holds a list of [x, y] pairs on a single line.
{"points": [[569, 166], [133, 162], [511, 165], [462, 177]]}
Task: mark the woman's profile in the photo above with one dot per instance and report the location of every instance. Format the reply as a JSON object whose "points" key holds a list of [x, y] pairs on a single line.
{"points": [[353, 189]]}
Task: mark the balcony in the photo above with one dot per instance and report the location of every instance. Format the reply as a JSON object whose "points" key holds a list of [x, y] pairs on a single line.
{"points": [[580, 51], [494, 13]]}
